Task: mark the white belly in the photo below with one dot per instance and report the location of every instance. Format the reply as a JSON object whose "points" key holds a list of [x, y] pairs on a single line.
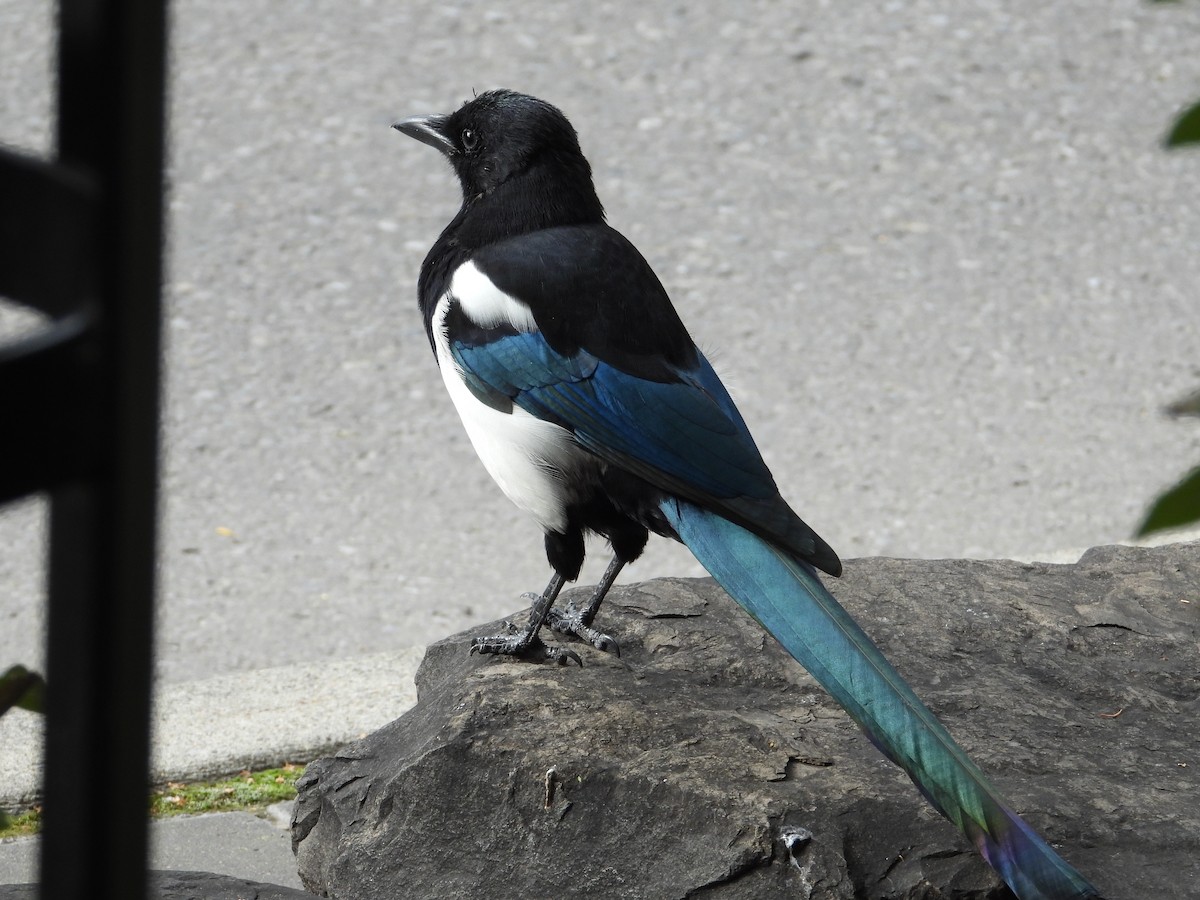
{"points": [[530, 459]]}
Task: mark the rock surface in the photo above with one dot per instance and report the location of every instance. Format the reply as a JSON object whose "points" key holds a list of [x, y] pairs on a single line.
{"points": [[705, 763]]}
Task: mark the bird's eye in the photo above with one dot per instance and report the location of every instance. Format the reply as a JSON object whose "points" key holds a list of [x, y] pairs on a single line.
{"points": [[470, 140]]}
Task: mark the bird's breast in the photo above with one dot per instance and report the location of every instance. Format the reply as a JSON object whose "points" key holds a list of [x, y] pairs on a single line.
{"points": [[537, 464]]}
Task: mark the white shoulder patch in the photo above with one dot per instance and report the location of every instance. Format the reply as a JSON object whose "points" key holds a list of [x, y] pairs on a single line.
{"points": [[485, 304]]}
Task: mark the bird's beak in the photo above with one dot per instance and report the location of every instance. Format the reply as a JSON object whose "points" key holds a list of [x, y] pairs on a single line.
{"points": [[427, 130]]}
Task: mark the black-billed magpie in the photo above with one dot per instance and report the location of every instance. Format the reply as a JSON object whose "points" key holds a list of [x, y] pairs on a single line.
{"points": [[592, 408]]}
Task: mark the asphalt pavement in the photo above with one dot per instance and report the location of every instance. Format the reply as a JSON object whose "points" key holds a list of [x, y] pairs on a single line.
{"points": [[241, 844], [936, 250]]}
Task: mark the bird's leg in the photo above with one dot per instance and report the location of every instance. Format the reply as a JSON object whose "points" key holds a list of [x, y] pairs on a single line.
{"points": [[526, 642], [579, 621]]}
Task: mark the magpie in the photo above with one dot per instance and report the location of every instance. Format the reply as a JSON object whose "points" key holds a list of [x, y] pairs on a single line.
{"points": [[592, 408]]}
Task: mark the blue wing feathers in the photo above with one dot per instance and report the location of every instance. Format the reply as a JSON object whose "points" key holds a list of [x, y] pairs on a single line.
{"points": [[676, 427]]}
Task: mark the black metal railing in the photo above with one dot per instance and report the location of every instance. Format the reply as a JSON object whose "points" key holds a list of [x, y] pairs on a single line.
{"points": [[81, 241]]}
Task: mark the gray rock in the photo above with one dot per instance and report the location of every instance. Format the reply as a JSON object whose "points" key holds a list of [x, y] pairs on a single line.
{"points": [[705, 762], [187, 886]]}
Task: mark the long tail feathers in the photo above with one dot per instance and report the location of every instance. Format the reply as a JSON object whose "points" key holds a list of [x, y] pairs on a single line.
{"points": [[787, 598]]}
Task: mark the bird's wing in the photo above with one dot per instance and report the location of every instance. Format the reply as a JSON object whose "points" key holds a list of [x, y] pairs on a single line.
{"points": [[678, 429], [588, 288], [673, 434]]}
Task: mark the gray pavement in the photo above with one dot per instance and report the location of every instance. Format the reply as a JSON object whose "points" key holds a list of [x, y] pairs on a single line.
{"points": [[934, 248], [238, 844]]}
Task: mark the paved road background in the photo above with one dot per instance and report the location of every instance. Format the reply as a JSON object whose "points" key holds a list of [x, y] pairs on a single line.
{"points": [[934, 247]]}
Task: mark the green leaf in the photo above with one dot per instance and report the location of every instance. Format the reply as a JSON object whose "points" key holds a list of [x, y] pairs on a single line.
{"points": [[1178, 506], [1186, 129], [20, 687]]}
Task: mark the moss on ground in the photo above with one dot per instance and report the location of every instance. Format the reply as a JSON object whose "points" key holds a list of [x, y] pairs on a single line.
{"points": [[249, 791], [245, 791]]}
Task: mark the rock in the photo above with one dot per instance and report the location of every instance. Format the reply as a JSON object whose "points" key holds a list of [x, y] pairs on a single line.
{"points": [[706, 763], [187, 886]]}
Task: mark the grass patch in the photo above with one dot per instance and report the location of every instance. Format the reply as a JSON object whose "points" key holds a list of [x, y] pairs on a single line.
{"points": [[248, 791], [20, 824]]}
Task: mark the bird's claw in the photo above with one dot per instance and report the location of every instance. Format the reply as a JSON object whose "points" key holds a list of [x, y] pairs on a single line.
{"points": [[525, 646], [572, 622]]}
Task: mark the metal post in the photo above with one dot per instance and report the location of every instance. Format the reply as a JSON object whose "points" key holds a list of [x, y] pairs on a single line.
{"points": [[103, 520]]}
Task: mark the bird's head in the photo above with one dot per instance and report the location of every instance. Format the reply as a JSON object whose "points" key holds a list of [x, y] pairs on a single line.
{"points": [[499, 135]]}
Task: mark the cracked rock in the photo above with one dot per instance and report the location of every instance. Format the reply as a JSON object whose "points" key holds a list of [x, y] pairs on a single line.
{"points": [[704, 762]]}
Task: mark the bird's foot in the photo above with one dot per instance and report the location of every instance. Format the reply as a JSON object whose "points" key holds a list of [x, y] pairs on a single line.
{"points": [[525, 644], [576, 621], [535, 649]]}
